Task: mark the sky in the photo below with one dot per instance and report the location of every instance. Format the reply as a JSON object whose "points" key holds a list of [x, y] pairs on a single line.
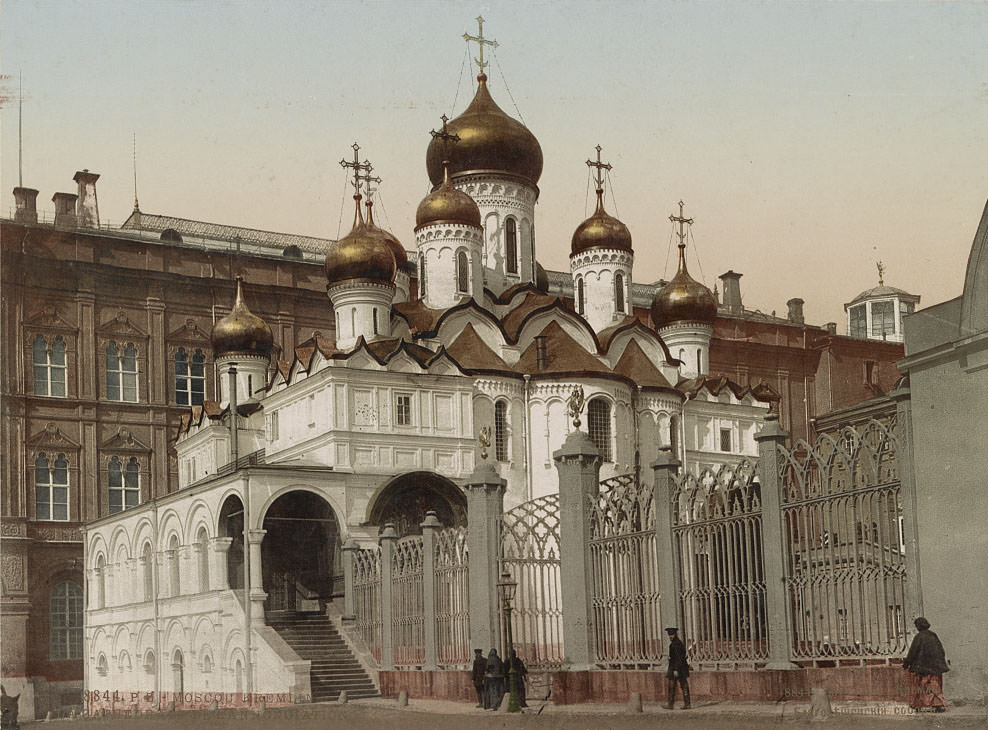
{"points": [[808, 139]]}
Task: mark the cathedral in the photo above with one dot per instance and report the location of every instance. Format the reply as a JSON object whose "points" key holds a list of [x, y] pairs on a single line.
{"points": [[442, 360]]}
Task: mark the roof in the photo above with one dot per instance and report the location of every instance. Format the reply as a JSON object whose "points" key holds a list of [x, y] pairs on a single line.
{"points": [[472, 353], [140, 220], [635, 365], [563, 355], [882, 291]]}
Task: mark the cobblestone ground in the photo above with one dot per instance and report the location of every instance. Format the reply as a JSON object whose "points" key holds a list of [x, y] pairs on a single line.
{"points": [[429, 715]]}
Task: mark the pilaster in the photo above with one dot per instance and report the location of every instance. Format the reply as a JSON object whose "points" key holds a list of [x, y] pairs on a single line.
{"points": [[387, 539], [430, 526], [485, 505], [256, 592], [665, 467]]}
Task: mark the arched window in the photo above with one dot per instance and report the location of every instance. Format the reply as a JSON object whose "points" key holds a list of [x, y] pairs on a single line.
{"points": [[501, 430], [375, 320], [102, 666], [125, 484], [511, 246], [100, 582], [51, 488], [674, 435], [422, 276], [174, 577], [207, 664], [149, 663], [699, 360], [49, 367], [202, 550], [238, 674], [353, 322], [579, 295], [462, 273], [147, 567], [599, 426], [121, 373], [65, 622], [178, 675], [190, 378], [619, 292]]}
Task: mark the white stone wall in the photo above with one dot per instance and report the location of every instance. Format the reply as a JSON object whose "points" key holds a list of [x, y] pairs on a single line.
{"points": [[439, 246], [362, 309], [690, 343], [598, 269], [252, 374]]}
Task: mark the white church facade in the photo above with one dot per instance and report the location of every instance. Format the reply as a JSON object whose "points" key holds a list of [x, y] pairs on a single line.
{"points": [[378, 425]]}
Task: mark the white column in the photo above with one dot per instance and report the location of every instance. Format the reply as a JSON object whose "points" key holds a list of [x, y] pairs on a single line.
{"points": [[218, 572], [256, 592]]}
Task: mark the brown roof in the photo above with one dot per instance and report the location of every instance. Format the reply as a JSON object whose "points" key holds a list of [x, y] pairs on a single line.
{"points": [[472, 353], [563, 355], [635, 365], [606, 335], [420, 317], [514, 319]]}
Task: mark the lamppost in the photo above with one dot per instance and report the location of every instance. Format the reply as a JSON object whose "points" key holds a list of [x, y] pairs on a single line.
{"points": [[507, 587]]}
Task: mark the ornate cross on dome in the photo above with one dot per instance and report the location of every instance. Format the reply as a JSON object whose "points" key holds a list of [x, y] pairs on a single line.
{"points": [[601, 166], [359, 167], [446, 136], [682, 222], [368, 179], [481, 42]]}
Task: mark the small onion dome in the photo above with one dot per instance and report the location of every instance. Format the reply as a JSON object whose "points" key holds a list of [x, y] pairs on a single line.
{"points": [[241, 331], [541, 278], [683, 299], [446, 204], [490, 141], [361, 254], [401, 255], [600, 231]]}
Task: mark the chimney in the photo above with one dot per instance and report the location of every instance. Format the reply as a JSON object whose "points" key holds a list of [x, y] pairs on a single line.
{"points": [[87, 208], [795, 310], [65, 209], [26, 201], [831, 328], [732, 292]]}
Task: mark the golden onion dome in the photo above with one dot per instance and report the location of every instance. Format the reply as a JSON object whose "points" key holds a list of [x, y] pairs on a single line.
{"points": [[489, 141], [446, 204], [600, 231], [400, 254], [683, 299], [361, 254], [241, 331]]}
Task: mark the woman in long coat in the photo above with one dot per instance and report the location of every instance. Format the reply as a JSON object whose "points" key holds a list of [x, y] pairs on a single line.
{"points": [[926, 663], [494, 681]]}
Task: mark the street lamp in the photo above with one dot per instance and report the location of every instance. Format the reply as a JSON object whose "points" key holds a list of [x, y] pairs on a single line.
{"points": [[507, 588]]}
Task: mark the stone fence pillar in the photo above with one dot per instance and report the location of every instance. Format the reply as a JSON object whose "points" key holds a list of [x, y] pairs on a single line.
{"points": [[430, 526], [774, 544], [578, 465], [907, 491], [350, 548], [388, 538], [665, 467], [485, 505]]}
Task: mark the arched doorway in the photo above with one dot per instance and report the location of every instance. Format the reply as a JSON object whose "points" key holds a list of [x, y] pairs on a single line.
{"points": [[231, 524], [300, 556], [405, 499]]}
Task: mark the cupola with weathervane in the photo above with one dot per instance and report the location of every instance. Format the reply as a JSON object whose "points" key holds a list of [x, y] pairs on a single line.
{"points": [[877, 313]]}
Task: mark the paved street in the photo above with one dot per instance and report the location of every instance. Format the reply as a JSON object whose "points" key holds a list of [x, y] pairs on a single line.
{"points": [[436, 715]]}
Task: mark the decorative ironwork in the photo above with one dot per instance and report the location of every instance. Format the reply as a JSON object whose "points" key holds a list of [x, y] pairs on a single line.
{"points": [[845, 557], [407, 602], [530, 553], [367, 598], [452, 572], [574, 404], [624, 563], [717, 530]]}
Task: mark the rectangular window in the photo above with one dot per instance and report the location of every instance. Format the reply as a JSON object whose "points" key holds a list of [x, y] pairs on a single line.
{"points": [[882, 319], [49, 367], [725, 439], [121, 373], [858, 325], [501, 430], [51, 488], [403, 410], [65, 622]]}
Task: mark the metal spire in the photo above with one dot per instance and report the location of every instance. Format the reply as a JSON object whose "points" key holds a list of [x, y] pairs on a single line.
{"points": [[481, 42], [136, 206]]}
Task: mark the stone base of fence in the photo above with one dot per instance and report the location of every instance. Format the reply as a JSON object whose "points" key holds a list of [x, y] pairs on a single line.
{"points": [[848, 684], [453, 684]]}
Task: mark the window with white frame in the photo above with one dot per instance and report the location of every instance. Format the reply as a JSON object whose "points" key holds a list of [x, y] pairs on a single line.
{"points": [[190, 378], [599, 426], [65, 621], [882, 318], [858, 322], [501, 430], [49, 367], [725, 439], [121, 372], [124, 484], [51, 488], [403, 409]]}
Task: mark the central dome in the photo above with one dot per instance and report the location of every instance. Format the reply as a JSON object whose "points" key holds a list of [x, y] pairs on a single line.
{"points": [[601, 231], [490, 141]]}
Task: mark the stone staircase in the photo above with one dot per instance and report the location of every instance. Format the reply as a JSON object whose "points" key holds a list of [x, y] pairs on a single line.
{"points": [[334, 667]]}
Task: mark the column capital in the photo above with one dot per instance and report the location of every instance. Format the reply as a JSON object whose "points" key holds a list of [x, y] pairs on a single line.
{"points": [[350, 545], [388, 533], [577, 446], [256, 535], [772, 431], [665, 460], [431, 522], [485, 478]]}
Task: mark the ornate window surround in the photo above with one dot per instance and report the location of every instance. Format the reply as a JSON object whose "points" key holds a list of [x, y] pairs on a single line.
{"points": [[48, 323], [123, 332], [190, 337], [51, 441]]}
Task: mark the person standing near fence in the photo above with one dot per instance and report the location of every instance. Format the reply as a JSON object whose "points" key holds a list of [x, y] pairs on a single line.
{"points": [[479, 671], [493, 681], [926, 662], [678, 671], [518, 672]]}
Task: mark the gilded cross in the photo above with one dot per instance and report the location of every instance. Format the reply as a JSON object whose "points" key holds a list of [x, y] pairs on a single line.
{"points": [[481, 42], [370, 189], [682, 221], [601, 166], [446, 136], [358, 167]]}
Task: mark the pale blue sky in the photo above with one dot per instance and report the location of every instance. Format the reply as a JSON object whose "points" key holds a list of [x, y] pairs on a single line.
{"points": [[808, 139]]}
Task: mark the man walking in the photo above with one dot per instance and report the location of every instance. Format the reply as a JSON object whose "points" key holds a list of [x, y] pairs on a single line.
{"points": [[678, 671], [479, 671]]}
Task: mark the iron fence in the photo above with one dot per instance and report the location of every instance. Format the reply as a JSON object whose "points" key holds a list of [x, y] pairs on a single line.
{"points": [[407, 602], [452, 586], [367, 598]]}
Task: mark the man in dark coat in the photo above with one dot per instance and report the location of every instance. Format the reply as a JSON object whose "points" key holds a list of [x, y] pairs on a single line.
{"points": [[678, 671], [926, 662], [518, 672], [493, 681], [479, 670]]}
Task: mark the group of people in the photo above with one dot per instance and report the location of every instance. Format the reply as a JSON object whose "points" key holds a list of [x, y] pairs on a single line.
{"points": [[491, 677], [926, 663]]}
